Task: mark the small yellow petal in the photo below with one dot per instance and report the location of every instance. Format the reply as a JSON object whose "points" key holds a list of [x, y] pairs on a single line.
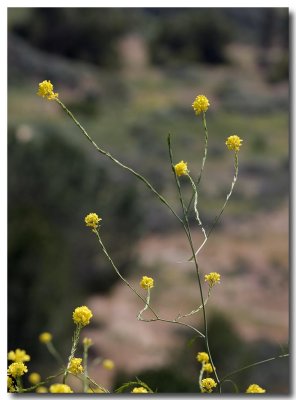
{"points": [[200, 104], [254, 388], [181, 168], [45, 337], [108, 364], [234, 142], [212, 278], [46, 90], [82, 315], [147, 283], [92, 220]]}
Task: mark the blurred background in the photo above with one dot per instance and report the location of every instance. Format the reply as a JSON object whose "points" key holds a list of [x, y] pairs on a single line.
{"points": [[130, 76]]}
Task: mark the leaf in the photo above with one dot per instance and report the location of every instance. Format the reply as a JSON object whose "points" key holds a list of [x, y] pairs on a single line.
{"points": [[125, 386]]}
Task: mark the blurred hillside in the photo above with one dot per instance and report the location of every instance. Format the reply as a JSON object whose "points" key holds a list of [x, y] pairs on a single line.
{"points": [[130, 76]]}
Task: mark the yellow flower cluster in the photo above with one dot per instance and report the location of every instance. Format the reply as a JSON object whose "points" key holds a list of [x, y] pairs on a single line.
{"points": [[34, 378], [17, 369], [82, 315], [46, 90], [18, 356], [207, 385], [75, 366], [60, 388], [139, 389], [207, 367], [234, 142], [212, 278], [92, 220], [45, 337], [202, 357], [108, 364], [181, 168], [10, 385], [200, 104], [147, 283], [254, 388]]}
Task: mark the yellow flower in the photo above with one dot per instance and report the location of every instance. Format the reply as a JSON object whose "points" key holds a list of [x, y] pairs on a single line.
{"points": [[46, 90], [181, 168], [200, 104], [207, 367], [9, 381], [34, 378], [60, 388], [139, 389], [202, 357], [17, 369], [10, 385], [207, 385], [41, 389], [87, 341], [45, 337], [212, 278], [82, 315], [255, 389], [92, 220], [75, 366], [147, 283], [108, 364], [18, 356], [234, 142]]}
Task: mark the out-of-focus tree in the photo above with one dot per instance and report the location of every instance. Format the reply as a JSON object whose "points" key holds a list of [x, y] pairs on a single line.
{"points": [[199, 35], [83, 33]]}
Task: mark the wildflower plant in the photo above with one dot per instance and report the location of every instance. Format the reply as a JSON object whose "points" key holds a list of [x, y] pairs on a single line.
{"points": [[210, 379]]}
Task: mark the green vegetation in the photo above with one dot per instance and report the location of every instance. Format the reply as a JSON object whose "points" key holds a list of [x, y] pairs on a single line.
{"points": [[55, 178]]}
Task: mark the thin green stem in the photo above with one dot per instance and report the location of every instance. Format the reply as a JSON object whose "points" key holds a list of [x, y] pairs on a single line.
{"points": [[229, 194], [118, 273], [107, 154], [175, 321], [253, 365], [188, 234], [223, 207], [146, 305], [127, 385], [184, 209], [204, 312], [200, 376], [204, 156], [19, 384], [73, 349], [198, 309], [85, 371], [233, 384], [91, 381], [205, 148], [157, 318], [53, 351], [97, 385], [197, 217], [49, 378]]}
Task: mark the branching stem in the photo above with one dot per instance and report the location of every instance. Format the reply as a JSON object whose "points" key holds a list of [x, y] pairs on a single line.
{"points": [[186, 227], [107, 154]]}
